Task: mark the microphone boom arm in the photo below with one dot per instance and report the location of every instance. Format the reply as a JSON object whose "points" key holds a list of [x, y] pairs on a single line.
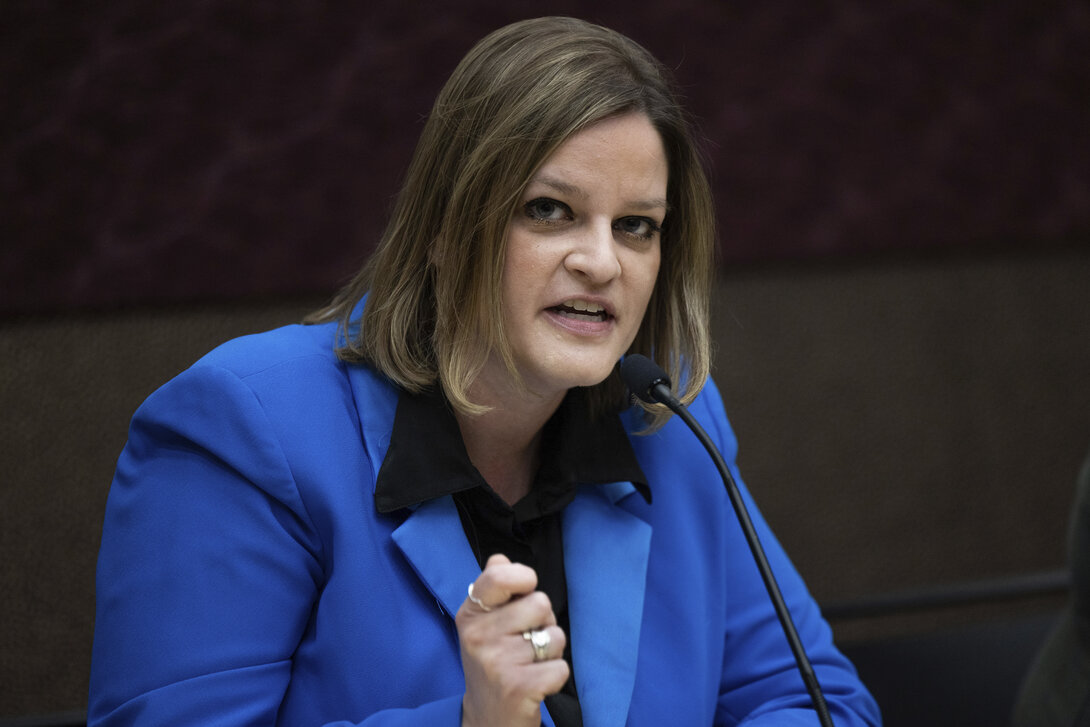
{"points": [[660, 391]]}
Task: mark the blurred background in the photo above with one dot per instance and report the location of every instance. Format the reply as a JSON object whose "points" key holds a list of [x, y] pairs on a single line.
{"points": [[902, 311]]}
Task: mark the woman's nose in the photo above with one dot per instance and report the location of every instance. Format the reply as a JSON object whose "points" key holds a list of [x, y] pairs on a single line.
{"points": [[594, 255]]}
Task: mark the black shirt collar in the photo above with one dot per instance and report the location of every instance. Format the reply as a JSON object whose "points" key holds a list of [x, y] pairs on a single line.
{"points": [[427, 457]]}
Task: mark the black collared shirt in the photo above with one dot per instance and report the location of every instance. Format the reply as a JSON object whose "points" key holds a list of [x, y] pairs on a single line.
{"points": [[427, 459]]}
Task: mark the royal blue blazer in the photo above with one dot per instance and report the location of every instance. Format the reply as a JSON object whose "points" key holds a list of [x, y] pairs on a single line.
{"points": [[246, 578]]}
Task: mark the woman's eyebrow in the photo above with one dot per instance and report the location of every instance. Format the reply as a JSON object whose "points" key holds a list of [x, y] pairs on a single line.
{"points": [[576, 191], [560, 186]]}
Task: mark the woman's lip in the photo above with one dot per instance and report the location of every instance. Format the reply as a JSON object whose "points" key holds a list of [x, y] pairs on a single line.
{"points": [[583, 325], [594, 300]]}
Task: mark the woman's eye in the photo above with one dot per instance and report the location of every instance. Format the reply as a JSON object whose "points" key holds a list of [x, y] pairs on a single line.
{"points": [[639, 227], [547, 210]]}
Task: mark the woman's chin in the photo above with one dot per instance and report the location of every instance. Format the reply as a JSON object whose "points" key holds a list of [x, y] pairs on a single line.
{"points": [[581, 377]]}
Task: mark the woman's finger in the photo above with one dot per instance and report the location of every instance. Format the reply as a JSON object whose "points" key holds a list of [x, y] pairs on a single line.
{"points": [[500, 582], [542, 644]]}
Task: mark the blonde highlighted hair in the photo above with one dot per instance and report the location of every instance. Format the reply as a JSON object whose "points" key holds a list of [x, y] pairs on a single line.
{"points": [[433, 283]]}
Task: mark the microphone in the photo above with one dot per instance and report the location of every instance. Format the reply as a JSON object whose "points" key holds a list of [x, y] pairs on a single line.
{"points": [[647, 381]]}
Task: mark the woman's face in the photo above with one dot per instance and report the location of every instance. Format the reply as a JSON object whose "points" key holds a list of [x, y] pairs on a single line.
{"points": [[583, 254]]}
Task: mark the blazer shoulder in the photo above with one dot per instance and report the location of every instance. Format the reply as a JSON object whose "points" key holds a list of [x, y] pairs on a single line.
{"points": [[257, 352], [675, 443], [272, 384]]}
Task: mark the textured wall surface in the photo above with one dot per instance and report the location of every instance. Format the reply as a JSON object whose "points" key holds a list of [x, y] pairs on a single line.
{"points": [[194, 149]]}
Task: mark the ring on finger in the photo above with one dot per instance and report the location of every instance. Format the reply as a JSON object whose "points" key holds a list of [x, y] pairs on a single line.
{"points": [[540, 640], [476, 601]]}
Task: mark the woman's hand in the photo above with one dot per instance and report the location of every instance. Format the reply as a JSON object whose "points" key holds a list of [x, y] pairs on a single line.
{"points": [[504, 682]]}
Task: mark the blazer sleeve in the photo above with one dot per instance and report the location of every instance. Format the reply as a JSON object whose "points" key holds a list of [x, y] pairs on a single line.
{"points": [[763, 687], [209, 568]]}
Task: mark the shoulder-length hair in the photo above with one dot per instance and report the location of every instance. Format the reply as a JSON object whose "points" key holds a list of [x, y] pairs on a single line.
{"points": [[433, 283]]}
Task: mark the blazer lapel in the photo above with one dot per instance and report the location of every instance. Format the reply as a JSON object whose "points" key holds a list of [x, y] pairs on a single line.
{"points": [[435, 545], [606, 550], [433, 541], [431, 538]]}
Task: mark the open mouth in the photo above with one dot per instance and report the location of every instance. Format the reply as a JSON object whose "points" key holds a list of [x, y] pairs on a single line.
{"points": [[580, 310]]}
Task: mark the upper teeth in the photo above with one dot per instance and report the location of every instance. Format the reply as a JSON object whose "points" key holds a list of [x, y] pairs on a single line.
{"points": [[584, 306]]}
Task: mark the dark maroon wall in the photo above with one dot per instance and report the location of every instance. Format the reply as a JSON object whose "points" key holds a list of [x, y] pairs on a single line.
{"points": [[167, 151]]}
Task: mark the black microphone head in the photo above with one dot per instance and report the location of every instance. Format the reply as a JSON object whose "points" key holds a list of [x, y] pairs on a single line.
{"points": [[641, 375]]}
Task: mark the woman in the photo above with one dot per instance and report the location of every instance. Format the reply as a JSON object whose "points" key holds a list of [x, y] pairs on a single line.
{"points": [[431, 506]]}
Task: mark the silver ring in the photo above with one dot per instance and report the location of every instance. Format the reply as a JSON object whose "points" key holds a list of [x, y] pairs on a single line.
{"points": [[540, 640], [476, 601]]}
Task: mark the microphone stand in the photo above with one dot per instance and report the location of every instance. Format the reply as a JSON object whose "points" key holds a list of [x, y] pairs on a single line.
{"points": [[659, 390]]}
